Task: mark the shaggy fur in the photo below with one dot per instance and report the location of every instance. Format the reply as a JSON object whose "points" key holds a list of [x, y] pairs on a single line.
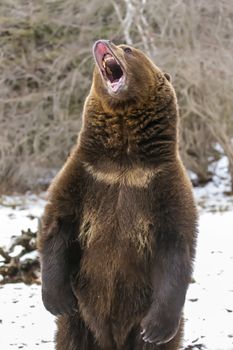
{"points": [[118, 234]]}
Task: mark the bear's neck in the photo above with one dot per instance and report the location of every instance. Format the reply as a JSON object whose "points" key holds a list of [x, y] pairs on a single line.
{"points": [[146, 134]]}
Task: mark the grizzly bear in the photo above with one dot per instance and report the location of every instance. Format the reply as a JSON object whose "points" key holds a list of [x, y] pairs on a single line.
{"points": [[118, 234]]}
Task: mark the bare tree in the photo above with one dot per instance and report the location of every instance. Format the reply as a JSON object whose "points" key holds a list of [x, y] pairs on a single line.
{"points": [[192, 40], [45, 68]]}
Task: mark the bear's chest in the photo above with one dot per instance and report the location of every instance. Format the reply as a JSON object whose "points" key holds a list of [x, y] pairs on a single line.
{"points": [[117, 216]]}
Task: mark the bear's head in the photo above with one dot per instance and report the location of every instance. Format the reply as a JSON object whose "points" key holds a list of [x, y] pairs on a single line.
{"points": [[125, 75]]}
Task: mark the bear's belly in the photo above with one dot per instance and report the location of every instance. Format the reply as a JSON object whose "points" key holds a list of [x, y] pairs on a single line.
{"points": [[114, 281], [113, 289], [117, 235]]}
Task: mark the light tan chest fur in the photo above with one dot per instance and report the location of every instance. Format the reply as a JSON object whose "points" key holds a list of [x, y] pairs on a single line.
{"points": [[134, 176]]}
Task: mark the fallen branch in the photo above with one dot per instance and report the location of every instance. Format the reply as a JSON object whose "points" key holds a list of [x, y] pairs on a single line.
{"points": [[18, 267]]}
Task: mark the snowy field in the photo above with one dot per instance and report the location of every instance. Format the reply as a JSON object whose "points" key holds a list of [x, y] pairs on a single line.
{"points": [[24, 324]]}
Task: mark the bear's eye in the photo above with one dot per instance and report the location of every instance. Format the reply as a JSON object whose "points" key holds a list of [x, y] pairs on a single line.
{"points": [[127, 49]]}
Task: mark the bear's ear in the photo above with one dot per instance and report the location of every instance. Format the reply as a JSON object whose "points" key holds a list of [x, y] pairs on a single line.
{"points": [[168, 77]]}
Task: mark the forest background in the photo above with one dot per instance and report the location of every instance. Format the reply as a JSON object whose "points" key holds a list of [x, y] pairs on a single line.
{"points": [[46, 69]]}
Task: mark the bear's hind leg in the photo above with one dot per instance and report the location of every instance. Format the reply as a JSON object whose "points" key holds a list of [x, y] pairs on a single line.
{"points": [[72, 334]]}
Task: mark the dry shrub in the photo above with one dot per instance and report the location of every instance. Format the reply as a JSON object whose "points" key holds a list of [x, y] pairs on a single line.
{"points": [[45, 69], [46, 66], [192, 40]]}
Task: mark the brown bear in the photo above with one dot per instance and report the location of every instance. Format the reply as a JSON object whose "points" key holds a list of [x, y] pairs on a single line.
{"points": [[118, 235]]}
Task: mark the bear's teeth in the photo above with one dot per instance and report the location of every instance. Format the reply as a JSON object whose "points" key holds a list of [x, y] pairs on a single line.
{"points": [[108, 58], [108, 70]]}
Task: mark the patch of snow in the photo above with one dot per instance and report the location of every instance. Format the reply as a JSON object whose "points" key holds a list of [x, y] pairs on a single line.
{"points": [[209, 303], [19, 213], [215, 195], [16, 251], [24, 323], [32, 255]]}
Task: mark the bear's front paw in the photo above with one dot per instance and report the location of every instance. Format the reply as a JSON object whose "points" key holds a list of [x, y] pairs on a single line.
{"points": [[59, 300], [159, 328]]}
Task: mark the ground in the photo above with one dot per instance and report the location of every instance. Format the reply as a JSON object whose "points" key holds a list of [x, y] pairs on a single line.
{"points": [[25, 324]]}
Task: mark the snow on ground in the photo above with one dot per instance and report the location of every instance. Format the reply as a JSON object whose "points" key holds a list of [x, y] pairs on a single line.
{"points": [[215, 196], [25, 324], [209, 303], [19, 213]]}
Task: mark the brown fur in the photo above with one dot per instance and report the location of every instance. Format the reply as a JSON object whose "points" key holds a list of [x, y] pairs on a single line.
{"points": [[118, 233]]}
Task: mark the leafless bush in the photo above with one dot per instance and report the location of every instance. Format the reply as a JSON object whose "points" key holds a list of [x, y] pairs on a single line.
{"points": [[192, 40], [46, 67]]}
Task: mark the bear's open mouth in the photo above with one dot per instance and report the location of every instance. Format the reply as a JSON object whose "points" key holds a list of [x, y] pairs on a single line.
{"points": [[110, 67]]}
